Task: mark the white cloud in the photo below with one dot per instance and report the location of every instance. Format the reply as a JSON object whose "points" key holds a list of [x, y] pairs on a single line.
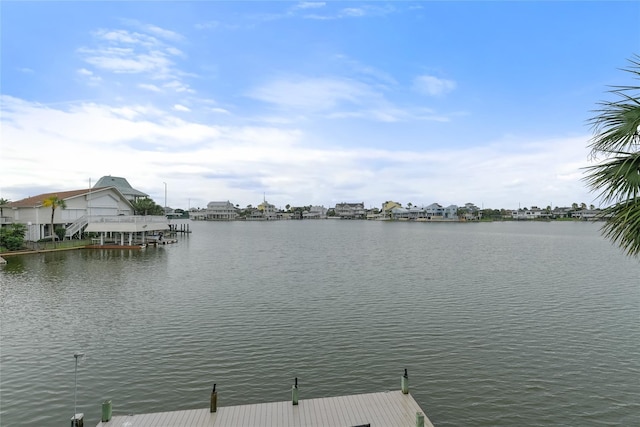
{"points": [[178, 86], [148, 146], [143, 52], [150, 87], [337, 98], [207, 25], [219, 110], [26, 70], [119, 60], [313, 93], [182, 108], [376, 76], [353, 12], [310, 5], [125, 37], [89, 76], [164, 33], [433, 86]]}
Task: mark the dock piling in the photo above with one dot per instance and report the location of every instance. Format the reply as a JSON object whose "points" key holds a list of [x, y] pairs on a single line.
{"points": [[294, 393], [404, 382], [106, 411], [214, 400]]}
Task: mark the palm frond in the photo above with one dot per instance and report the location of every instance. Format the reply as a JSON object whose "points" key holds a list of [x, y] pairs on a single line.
{"points": [[622, 225], [616, 123], [616, 179], [616, 127]]}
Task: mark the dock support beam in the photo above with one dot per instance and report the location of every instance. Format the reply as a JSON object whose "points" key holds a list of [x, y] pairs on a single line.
{"points": [[419, 419]]}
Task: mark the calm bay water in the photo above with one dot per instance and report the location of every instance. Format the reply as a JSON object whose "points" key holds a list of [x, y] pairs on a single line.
{"points": [[499, 324]]}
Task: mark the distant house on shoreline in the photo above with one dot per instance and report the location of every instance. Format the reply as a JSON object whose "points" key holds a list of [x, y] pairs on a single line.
{"points": [[219, 211], [350, 210]]}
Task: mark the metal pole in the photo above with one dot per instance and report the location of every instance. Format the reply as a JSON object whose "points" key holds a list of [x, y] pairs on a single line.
{"points": [[89, 202], [75, 389], [165, 198]]}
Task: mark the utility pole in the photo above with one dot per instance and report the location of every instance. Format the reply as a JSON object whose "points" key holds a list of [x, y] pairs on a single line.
{"points": [[165, 198]]}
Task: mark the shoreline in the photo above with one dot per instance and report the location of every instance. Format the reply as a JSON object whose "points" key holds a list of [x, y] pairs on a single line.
{"points": [[38, 251]]}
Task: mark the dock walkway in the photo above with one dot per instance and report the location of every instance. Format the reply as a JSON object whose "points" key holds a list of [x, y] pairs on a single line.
{"points": [[384, 409]]}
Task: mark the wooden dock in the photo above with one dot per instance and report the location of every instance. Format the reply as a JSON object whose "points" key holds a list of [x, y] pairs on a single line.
{"points": [[384, 409]]}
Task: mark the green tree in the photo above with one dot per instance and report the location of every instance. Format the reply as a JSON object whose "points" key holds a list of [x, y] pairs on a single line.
{"points": [[146, 206], [616, 176], [12, 237], [53, 202], [60, 232]]}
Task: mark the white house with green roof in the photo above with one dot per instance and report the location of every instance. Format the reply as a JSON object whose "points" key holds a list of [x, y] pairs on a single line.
{"points": [[106, 209]]}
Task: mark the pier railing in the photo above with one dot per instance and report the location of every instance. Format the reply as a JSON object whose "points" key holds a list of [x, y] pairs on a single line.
{"points": [[140, 219]]}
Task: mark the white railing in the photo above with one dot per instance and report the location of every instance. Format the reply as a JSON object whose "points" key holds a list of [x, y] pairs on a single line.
{"points": [[139, 219], [77, 226]]}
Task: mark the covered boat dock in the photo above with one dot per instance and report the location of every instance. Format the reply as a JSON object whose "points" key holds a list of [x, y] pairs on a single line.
{"points": [[126, 230]]}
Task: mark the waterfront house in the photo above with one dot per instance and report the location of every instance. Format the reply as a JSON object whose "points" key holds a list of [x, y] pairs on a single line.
{"points": [[80, 205], [197, 214], [451, 212], [268, 210], [350, 210], [563, 212], [399, 213], [221, 211], [437, 212], [315, 212], [533, 213], [387, 208], [587, 214]]}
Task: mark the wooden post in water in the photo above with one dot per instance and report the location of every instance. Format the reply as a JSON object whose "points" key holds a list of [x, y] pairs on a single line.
{"points": [[106, 411], [294, 393], [404, 383], [214, 400]]}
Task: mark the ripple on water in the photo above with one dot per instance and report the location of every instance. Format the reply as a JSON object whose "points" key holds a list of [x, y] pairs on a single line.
{"points": [[499, 324]]}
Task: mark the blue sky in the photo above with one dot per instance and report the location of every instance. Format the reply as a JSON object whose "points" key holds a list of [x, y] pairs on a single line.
{"points": [[310, 102]]}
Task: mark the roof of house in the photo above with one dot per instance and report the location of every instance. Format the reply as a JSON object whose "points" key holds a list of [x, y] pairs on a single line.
{"points": [[121, 184], [36, 201]]}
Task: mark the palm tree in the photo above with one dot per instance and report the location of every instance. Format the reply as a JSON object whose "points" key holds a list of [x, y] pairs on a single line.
{"points": [[616, 178], [53, 202]]}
